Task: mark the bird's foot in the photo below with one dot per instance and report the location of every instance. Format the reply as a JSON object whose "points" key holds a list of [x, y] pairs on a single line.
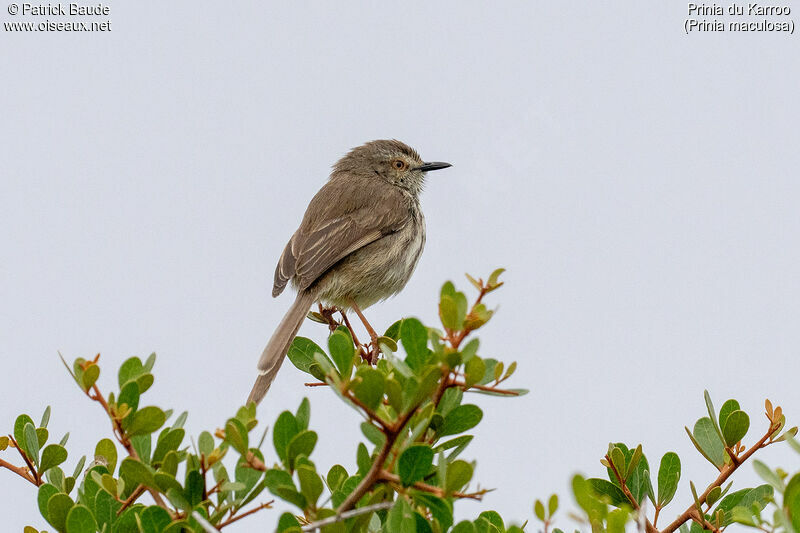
{"points": [[327, 314]]}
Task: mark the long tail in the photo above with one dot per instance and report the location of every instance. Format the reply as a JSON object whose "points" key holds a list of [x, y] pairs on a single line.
{"points": [[278, 345]]}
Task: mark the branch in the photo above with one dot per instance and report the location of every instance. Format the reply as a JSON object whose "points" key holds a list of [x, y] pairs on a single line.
{"points": [[648, 526], [132, 498], [122, 437], [31, 469], [367, 411], [232, 519], [724, 474], [436, 491], [466, 387], [313, 526], [20, 470]]}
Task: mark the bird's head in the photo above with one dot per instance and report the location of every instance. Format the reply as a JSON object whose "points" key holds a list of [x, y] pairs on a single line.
{"points": [[389, 160]]}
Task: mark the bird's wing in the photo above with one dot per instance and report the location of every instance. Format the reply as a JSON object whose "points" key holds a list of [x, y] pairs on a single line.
{"points": [[339, 220]]}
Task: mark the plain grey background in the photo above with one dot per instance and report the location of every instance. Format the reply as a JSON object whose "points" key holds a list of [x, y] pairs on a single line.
{"points": [[640, 186]]}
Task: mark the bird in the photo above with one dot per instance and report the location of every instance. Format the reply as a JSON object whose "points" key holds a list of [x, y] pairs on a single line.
{"points": [[359, 242]]}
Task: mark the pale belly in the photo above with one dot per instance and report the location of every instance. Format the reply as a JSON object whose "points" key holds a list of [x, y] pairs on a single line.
{"points": [[375, 272]]}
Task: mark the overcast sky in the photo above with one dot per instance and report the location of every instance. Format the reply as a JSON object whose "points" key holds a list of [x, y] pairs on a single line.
{"points": [[639, 184]]}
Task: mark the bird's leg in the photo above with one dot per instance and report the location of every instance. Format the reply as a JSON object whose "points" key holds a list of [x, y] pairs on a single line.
{"points": [[373, 349], [327, 314], [361, 350]]}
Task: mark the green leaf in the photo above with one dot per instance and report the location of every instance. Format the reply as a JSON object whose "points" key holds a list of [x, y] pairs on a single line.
{"points": [[283, 432], [493, 519], [736, 426], [586, 499], [451, 312], [363, 459], [618, 460], [310, 483], [342, 351], [178, 499], [41, 436], [154, 519], [369, 389], [302, 355], [373, 433], [414, 337], [194, 487], [414, 463], [303, 414], [52, 455], [727, 408], [459, 474], [460, 419], [31, 441], [108, 451], [79, 467], [538, 510], [400, 518], [712, 413], [144, 381], [708, 442], [791, 500], [170, 440], [80, 519], [146, 420], [46, 491], [19, 428], [768, 475], [669, 473], [288, 523], [441, 510], [90, 375], [236, 435], [58, 507], [336, 476], [474, 371], [142, 445], [552, 505], [608, 492], [713, 496], [464, 527], [129, 395], [135, 473], [130, 370], [45, 417], [105, 510], [493, 277], [617, 520], [301, 444]]}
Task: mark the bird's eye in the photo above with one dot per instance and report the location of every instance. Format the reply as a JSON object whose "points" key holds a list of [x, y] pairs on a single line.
{"points": [[399, 164]]}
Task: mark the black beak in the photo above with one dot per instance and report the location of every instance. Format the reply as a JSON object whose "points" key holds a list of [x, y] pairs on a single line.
{"points": [[434, 165]]}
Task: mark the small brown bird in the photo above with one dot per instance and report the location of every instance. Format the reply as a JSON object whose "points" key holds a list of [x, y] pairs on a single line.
{"points": [[359, 242]]}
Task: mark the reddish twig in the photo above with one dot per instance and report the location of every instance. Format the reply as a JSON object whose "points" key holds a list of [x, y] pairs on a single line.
{"points": [[132, 498], [724, 474], [232, 519]]}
